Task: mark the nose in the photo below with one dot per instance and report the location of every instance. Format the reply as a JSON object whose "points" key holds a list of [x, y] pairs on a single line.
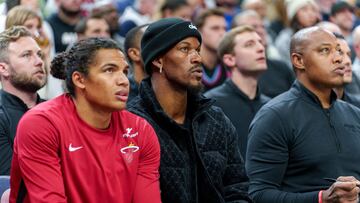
{"points": [[338, 57], [38, 60], [260, 47], [195, 57], [122, 80]]}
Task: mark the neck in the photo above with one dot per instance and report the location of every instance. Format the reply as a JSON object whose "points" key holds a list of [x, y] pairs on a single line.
{"points": [[29, 98], [67, 19], [90, 114], [345, 32], [322, 93], [339, 92], [247, 84], [172, 99], [209, 57], [139, 73]]}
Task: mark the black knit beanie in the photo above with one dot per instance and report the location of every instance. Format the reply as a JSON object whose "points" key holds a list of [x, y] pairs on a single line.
{"points": [[162, 35]]}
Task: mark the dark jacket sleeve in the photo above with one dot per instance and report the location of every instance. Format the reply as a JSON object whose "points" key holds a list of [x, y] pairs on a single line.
{"points": [[235, 179], [267, 160]]}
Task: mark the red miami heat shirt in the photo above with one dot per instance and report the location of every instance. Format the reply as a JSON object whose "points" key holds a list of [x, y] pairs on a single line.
{"points": [[63, 159]]}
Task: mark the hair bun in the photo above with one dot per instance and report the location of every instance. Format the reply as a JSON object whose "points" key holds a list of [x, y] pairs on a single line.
{"points": [[58, 66]]}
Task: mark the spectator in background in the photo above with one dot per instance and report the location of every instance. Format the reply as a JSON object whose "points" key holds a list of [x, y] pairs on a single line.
{"points": [[200, 158], [92, 27], [25, 16], [212, 26], [140, 13], [241, 50], [230, 8], [353, 88], [303, 137], [22, 74], [301, 14], [63, 23], [176, 8], [278, 77], [325, 8], [259, 6], [132, 47], [342, 15], [107, 10], [85, 147], [341, 91]]}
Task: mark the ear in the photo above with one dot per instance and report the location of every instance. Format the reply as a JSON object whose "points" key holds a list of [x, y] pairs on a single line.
{"points": [[297, 61], [229, 60], [134, 54], [158, 62], [4, 69], [78, 79]]}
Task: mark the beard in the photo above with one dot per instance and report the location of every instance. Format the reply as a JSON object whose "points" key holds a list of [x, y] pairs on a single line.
{"points": [[27, 83], [68, 12], [195, 90]]}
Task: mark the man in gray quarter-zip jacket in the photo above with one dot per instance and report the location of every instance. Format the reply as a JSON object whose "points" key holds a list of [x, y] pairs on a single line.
{"points": [[305, 136]]}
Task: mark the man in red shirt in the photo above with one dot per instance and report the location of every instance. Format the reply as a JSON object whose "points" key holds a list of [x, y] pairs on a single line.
{"points": [[83, 146]]}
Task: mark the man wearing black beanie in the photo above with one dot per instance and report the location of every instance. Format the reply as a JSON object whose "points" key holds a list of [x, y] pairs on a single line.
{"points": [[200, 159]]}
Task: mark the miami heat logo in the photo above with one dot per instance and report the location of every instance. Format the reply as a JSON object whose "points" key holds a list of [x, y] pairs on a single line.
{"points": [[128, 151]]}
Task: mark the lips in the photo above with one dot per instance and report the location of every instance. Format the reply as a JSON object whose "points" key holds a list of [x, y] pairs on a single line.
{"points": [[261, 59], [41, 72], [122, 95], [340, 70]]}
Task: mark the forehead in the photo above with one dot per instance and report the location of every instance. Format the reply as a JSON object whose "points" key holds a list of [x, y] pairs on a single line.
{"points": [[23, 43], [94, 22], [214, 20], [344, 45], [109, 56], [246, 36], [319, 38], [250, 20]]}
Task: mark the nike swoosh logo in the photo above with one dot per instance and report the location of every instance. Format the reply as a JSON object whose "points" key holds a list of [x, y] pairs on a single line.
{"points": [[73, 149]]}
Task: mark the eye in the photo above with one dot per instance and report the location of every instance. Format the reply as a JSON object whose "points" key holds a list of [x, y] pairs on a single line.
{"points": [[26, 55], [184, 49], [40, 54], [249, 44], [126, 71], [325, 50], [109, 70]]}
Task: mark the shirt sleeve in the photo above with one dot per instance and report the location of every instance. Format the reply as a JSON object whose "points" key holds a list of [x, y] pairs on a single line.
{"points": [[37, 152], [267, 160], [147, 183]]}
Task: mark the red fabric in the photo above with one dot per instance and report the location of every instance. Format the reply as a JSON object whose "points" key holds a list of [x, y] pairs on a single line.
{"points": [[62, 159]]}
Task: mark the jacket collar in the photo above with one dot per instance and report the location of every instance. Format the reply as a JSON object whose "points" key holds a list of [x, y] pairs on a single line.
{"points": [[8, 99], [235, 89], [196, 103], [310, 96]]}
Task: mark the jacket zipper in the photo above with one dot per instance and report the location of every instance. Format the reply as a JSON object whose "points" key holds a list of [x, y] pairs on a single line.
{"points": [[333, 131], [203, 164]]}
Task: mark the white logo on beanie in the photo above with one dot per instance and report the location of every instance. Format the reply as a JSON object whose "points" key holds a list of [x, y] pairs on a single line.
{"points": [[191, 26]]}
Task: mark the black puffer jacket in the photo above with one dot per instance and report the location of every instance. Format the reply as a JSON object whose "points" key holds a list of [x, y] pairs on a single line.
{"points": [[209, 169]]}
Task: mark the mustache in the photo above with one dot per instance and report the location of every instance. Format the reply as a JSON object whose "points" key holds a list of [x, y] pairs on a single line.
{"points": [[195, 68]]}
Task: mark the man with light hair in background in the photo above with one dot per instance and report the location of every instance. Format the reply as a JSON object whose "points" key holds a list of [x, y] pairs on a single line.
{"points": [[278, 77], [22, 74]]}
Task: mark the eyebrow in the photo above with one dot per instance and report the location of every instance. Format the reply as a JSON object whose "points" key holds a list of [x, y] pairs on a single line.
{"points": [[325, 44]]}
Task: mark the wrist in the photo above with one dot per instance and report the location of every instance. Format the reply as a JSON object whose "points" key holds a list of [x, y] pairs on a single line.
{"points": [[320, 196]]}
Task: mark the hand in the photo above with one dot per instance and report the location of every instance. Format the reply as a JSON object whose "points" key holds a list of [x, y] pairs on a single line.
{"points": [[344, 190]]}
